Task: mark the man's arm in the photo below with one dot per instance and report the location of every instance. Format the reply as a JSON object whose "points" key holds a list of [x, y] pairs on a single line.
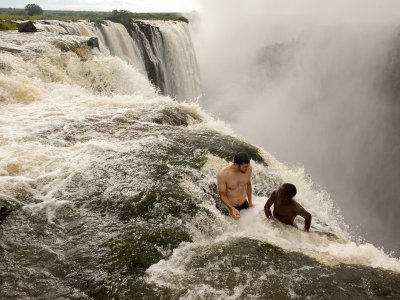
{"points": [[307, 217], [221, 183], [249, 192], [268, 205]]}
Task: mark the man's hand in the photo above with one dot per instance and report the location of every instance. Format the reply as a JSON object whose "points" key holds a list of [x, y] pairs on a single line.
{"points": [[235, 213]]}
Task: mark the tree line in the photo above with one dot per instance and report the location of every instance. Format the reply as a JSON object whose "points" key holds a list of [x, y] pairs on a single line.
{"points": [[34, 12], [33, 9]]}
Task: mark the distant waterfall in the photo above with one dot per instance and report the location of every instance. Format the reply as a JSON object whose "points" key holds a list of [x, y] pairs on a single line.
{"points": [[182, 78], [152, 47], [162, 50]]}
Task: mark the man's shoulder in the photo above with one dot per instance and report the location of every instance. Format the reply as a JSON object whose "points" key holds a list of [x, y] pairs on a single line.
{"points": [[224, 171], [297, 205], [250, 171]]}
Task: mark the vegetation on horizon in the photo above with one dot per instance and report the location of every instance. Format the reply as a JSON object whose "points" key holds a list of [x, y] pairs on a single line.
{"points": [[6, 25], [33, 9], [16, 14]]}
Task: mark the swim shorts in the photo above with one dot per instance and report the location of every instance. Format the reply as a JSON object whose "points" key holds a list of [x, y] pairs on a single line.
{"points": [[225, 210], [244, 205]]}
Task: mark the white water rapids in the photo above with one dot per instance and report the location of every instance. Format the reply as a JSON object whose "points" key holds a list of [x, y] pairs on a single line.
{"points": [[43, 87]]}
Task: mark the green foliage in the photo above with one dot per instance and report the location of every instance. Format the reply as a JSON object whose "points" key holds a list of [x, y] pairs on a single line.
{"points": [[183, 19], [33, 9], [121, 16], [124, 16], [5, 25]]}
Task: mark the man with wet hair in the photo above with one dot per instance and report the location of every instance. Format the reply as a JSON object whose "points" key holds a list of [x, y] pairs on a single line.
{"points": [[234, 185], [285, 207]]}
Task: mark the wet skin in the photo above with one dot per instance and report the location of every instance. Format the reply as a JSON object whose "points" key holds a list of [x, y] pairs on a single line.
{"points": [[234, 187], [286, 209]]}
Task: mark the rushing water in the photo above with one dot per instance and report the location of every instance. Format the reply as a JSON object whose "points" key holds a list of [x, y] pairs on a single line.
{"points": [[107, 191], [161, 49]]}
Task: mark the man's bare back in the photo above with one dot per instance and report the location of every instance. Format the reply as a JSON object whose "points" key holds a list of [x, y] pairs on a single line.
{"points": [[285, 208], [234, 186]]}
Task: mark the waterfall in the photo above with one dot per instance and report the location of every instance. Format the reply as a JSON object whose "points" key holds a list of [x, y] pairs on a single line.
{"points": [[108, 190], [152, 46], [161, 50], [182, 79]]}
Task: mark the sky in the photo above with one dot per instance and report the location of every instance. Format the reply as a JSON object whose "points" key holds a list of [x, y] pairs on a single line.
{"points": [[109, 5], [324, 8]]}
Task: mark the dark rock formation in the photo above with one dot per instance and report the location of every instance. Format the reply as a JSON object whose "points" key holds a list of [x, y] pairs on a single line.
{"points": [[26, 27], [93, 42], [183, 19], [5, 209], [153, 51]]}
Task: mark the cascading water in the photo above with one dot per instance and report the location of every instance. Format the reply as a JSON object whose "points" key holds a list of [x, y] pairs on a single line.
{"points": [[163, 51], [107, 191]]}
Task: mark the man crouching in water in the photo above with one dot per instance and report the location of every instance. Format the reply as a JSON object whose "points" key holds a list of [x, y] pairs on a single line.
{"points": [[234, 185], [285, 208]]}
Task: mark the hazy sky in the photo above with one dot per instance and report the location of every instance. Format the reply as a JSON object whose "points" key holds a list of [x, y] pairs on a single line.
{"points": [[325, 9], [109, 5]]}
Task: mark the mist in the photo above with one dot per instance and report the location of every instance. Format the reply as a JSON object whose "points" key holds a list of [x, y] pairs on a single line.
{"points": [[317, 84]]}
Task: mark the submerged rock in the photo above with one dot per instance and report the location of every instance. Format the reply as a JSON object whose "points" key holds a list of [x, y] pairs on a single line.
{"points": [[262, 270], [139, 246]]}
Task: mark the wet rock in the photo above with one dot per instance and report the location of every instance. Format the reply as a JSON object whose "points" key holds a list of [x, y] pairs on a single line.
{"points": [[150, 35], [5, 210], [6, 207], [174, 116], [26, 27], [159, 202], [93, 42], [140, 246], [10, 49], [83, 53], [183, 19], [280, 274]]}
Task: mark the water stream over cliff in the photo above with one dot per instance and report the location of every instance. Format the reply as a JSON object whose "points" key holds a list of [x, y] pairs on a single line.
{"points": [[108, 190]]}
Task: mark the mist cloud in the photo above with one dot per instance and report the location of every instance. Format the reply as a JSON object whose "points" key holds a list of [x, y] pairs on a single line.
{"points": [[306, 80]]}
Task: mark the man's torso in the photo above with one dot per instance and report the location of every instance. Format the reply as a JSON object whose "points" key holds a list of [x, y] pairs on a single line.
{"points": [[236, 185], [285, 212]]}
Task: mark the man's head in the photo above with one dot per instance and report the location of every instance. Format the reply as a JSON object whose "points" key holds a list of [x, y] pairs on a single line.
{"points": [[242, 160], [289, 190]]}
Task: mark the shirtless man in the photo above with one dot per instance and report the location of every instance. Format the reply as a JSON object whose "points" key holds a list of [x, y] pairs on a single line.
{"points": [[285, 208], [234, 185]]}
